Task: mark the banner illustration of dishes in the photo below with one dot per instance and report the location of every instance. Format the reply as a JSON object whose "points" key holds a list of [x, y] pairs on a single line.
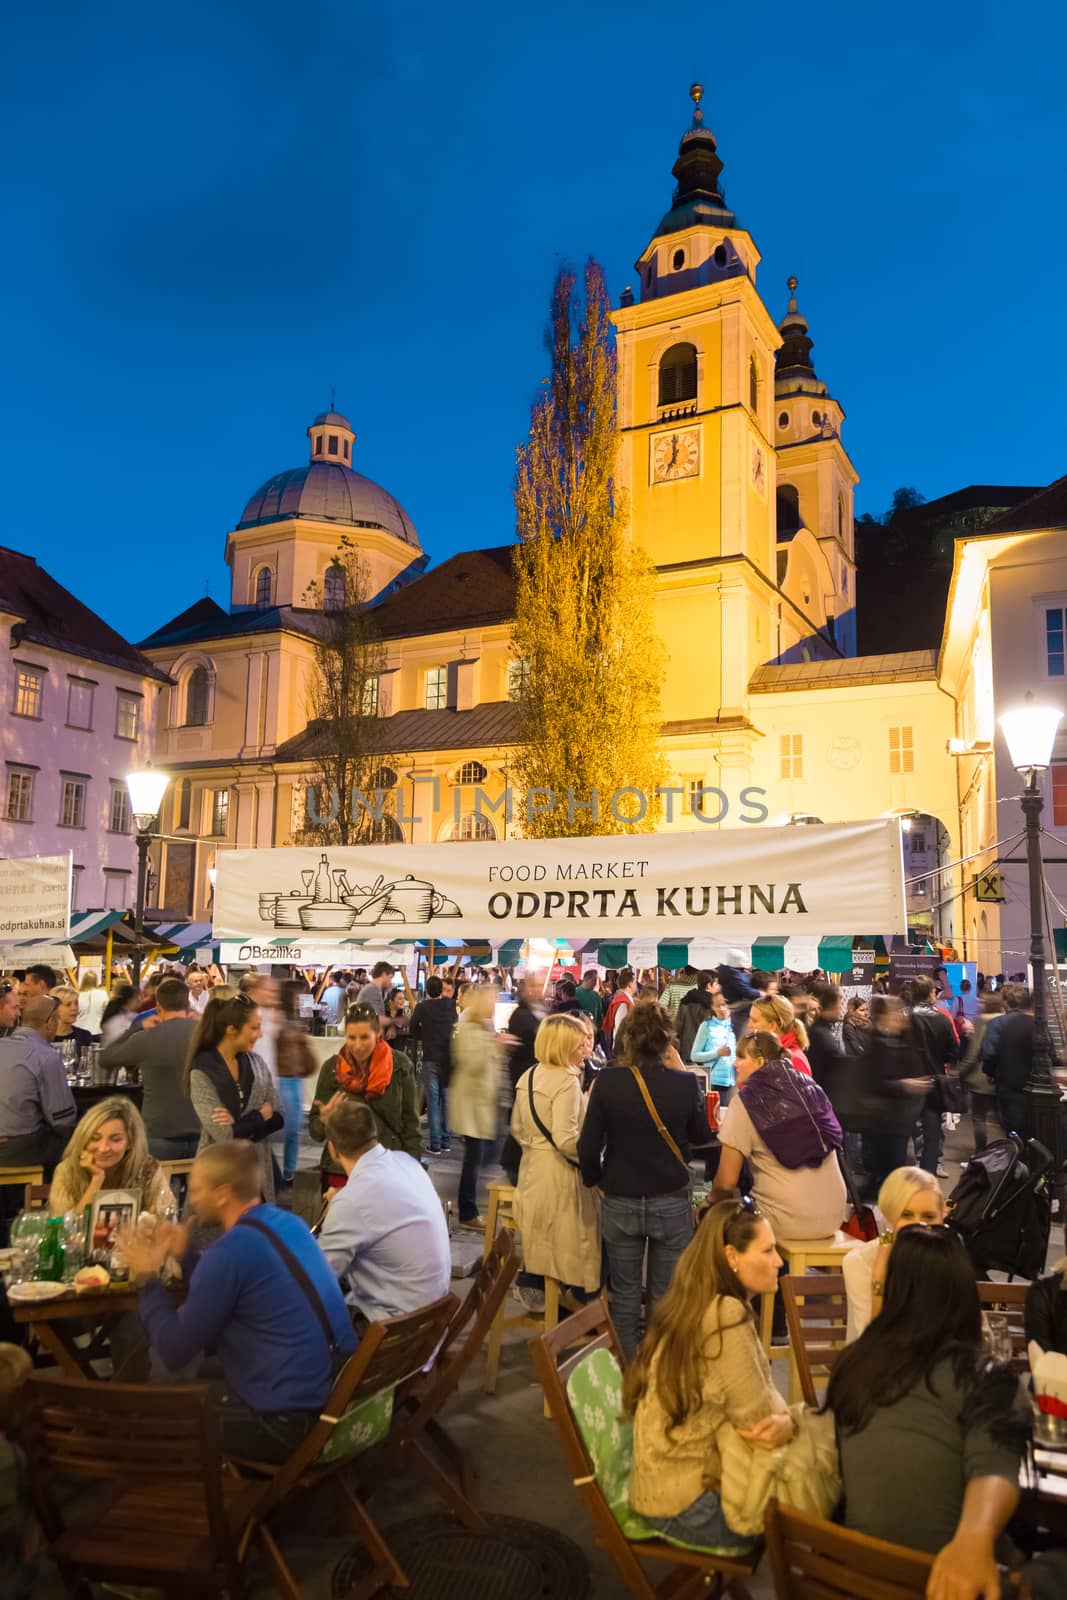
{"points": [[327, 902]]}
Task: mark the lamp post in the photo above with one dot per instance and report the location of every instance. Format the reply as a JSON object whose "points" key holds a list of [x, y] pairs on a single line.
{"points": [[1030, 733], [146, 789]]}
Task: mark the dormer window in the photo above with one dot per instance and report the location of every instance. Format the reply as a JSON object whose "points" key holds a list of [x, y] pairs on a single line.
{"points": [[678, 375]]}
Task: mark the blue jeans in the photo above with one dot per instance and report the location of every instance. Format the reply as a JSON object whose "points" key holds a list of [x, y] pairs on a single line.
{"points": [[702, 1524], [663, 1222], [436, 1105], [293, 1112], [475, 1153], [180, 1149]]}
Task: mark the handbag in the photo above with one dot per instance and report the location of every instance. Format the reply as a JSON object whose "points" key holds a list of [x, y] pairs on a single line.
{"points": [[658, 1120], [862, 1224], [804, 1474]]}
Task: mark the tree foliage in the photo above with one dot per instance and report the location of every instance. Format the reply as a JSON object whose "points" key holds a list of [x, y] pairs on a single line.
{"points": [[589, 716], [342, 703]]}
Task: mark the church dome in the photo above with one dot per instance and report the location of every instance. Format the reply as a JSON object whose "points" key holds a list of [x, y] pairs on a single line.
{"points": [[327, 490]]}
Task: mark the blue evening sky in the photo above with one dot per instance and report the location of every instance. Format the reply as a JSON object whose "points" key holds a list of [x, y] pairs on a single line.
{"points": [[217, 211]]}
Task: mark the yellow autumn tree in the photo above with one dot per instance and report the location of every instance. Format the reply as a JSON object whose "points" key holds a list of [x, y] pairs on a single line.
{"points": [[592, 663]]}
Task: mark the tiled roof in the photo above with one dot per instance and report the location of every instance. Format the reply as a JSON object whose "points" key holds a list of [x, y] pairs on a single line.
{"points": [[846, 673], [493, 723], [472, 589], [1045, 509], [52, 617]]}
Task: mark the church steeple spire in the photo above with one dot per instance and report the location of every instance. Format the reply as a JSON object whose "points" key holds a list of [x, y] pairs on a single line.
{"points": [[698, 195], [793, 358]]}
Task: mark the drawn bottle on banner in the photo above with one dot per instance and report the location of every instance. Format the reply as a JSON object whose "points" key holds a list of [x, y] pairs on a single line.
{"points": [[322, 881]]}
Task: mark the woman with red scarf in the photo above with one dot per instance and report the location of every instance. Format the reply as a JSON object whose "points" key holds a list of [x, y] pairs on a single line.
{"points": [[368, 1068]]}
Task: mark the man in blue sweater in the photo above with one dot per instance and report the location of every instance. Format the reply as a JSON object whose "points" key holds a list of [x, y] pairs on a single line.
{"points": [[262, 1299]]}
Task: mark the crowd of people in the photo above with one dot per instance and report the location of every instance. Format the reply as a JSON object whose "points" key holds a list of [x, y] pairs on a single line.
{"points": [[593, 1103]]}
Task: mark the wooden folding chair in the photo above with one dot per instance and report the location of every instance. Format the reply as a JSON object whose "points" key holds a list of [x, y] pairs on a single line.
{"points": [[356, 1417], [417, 1439], [813, 1560], [160, 1512], [691, 1572], [21, 1177], [1008, 1300], [816, 1314]]}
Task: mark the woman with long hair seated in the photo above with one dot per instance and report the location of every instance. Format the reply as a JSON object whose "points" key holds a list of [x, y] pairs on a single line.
{"points": [[782, 1124], [908, 1197], [231, 1088], [109, 1150], [931, 1432], [701, 1363], [556, 1214], [370, 1069]]}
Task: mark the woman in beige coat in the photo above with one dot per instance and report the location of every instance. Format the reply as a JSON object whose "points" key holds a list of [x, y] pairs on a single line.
{"points": [[556, 1214], [474, 1095]]}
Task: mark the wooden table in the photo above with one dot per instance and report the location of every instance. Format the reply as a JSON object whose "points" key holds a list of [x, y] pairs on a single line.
{"points": [[55, 1324], [88, 1095]]}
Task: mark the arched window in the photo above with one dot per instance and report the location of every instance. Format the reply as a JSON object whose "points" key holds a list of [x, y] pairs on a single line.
{"points": [[197, 697], [473, 827], [333, 588], [472, 772], [753, 384], [387, 831], [264, 585], [788, 505], [678, 374]]}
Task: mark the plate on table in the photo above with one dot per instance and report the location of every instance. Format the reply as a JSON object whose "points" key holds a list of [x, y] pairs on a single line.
{"points": [[30, 1292]]}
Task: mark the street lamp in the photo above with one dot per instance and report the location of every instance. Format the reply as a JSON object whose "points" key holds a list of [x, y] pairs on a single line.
{"points": [[1030, 733], [146, 789]]}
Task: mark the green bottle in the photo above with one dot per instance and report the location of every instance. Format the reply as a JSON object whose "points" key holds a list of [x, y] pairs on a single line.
{"points": [[50, 1259]]}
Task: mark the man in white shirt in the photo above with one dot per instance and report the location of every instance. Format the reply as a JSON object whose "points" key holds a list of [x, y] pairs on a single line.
{"points": [[385, 1230], [196, 983]]}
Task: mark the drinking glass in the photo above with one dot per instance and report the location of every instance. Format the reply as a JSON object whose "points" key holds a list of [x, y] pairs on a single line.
{"points": [[27, 1231], [73, 1244]]}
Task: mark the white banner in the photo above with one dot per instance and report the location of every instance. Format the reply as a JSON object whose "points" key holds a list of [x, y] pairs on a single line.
{"points": [[311, 953], [35, 898], [821, 879]]}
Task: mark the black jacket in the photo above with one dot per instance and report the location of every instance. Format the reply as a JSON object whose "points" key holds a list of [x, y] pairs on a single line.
{"points": [[523, 1025], [620, 1148], [432, 1025], [1046, 1313], [693, 1009], [825, 1054], [1013, 1058]]}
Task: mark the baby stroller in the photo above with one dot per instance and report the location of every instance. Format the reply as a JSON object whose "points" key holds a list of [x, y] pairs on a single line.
{"points": [[1002, 1208]]}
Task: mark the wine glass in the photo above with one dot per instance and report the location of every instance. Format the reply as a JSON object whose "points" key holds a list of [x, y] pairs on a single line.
{"points": [[307, 877]]}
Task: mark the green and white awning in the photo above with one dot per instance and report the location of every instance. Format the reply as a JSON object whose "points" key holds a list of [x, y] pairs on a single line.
{"points": [[795, 953]]}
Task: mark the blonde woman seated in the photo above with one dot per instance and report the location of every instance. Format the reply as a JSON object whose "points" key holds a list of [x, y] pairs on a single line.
{"points": [[557, 1216], [699, 1365], [909, 1196], [109, 1150]]}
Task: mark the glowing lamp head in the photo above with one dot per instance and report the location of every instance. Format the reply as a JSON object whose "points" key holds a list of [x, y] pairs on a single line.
{"points": [[1030, 733], [146, 790]]}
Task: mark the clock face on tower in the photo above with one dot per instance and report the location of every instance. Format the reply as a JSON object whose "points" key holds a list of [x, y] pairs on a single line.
{"points": [[675, 455]]}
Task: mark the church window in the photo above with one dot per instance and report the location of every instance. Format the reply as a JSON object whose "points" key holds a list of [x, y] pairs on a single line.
{"points": [[197, 697], [678, 260], [263, 588], [370, 697], [518, 679], [345, 444], [720, 257], [783, 420], [816, 419], [753, 384], [791, 755], [474, 826], [333, 588], [472, 772], [331, 445], [318, 444], [678, 375], [788, 507]]}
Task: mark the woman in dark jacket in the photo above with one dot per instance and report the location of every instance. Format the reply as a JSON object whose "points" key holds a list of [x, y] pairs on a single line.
{"points": [[368, 1068], [231, 1089], [643, 1173]]}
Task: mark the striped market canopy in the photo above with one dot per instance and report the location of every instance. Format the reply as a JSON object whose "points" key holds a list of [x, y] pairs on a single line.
{"points": [[797, 954]]}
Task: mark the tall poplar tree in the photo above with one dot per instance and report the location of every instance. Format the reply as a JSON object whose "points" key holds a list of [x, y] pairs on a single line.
{"points": [[584, 631], [342, 707]]}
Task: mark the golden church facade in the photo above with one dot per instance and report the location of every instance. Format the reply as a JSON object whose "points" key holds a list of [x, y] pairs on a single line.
{"points": [[739, 487]]}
